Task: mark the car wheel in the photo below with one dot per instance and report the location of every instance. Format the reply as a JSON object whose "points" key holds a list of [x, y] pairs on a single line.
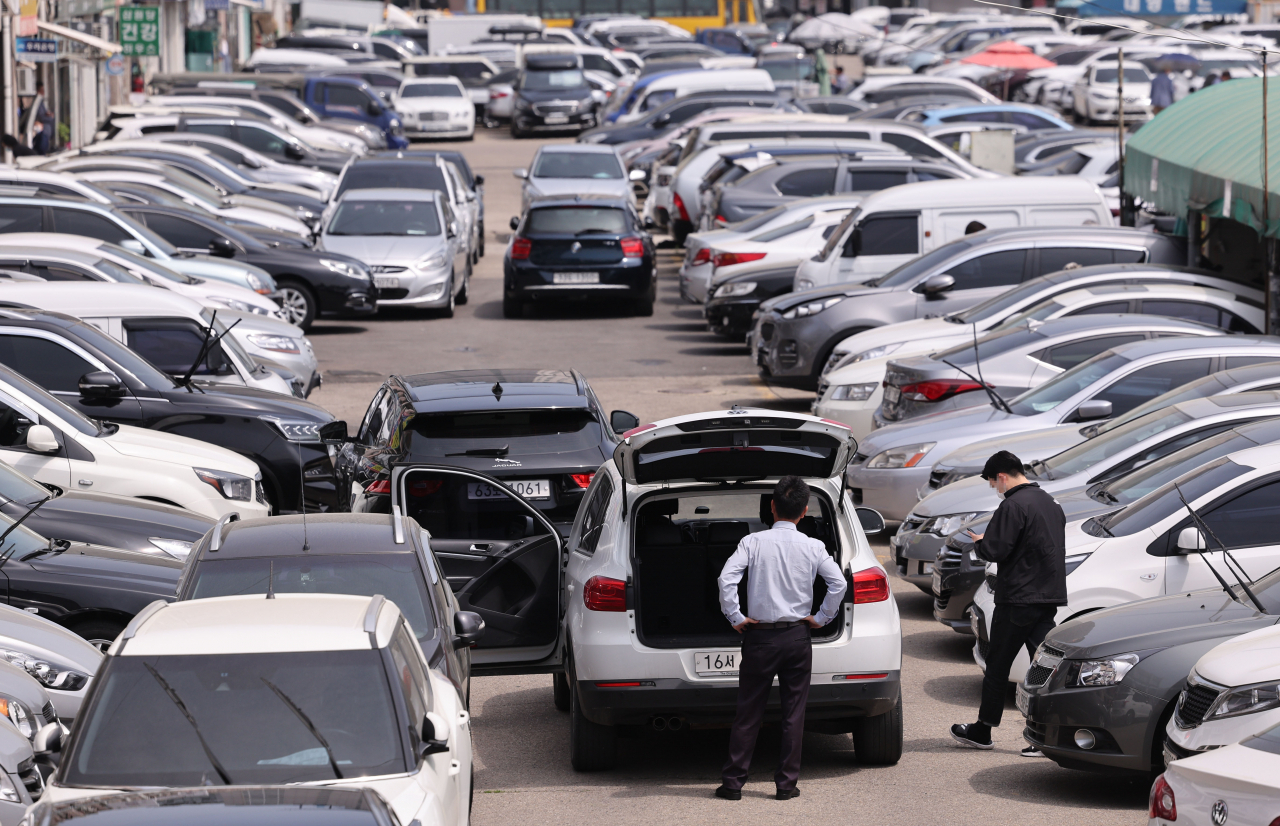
{"points": [[592, 747], [482, 239], [447, 310], [512, 307], [99, 633], [298, 303], [878, 740], [560, 691], [644, 304], [464, 294]]}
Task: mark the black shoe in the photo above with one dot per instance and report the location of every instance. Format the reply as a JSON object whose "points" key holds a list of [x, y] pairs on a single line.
{"points": [[1032, 751], [781, 795], [728, 793], [960, 733]]}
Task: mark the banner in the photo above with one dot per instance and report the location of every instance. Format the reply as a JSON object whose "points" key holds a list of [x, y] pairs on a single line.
{"points": [[29, 12], [1161, 8], [33, 50], [140, 30]]}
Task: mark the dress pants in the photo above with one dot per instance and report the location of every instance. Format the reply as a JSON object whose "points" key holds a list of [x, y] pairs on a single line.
{"points": [[1012, 627], [786, 653]]}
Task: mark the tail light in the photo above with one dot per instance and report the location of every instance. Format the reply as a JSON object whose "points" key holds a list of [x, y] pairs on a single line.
{"points": [[632, 247], [582, 480], [493, 94], [382, 486], [728, 259], [722, 220], [870, 585], [702, 256], [678, 203], [933, 391], [1162, 802], [424, 488], [520, 248], [604, 594]]}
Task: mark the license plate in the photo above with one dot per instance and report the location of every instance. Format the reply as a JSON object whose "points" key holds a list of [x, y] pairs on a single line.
{"points": [[891, 394], [575, 277], [384, 282], [1023, 701], [716, 663], [528, 488], [554, 119]]}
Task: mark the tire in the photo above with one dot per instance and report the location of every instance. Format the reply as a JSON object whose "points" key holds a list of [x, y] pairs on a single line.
{"points": [[298, 302], [99, 633], [512, 307], [560, 691], [644, 305], [877, 740], [482, 239], [464, 294], [447, 310], [592, 747]]}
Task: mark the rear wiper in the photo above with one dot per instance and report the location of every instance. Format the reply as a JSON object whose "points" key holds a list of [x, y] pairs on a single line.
{"points": [[590, 230], [306, 721], [483, 451], [996, 402], [182, 707]]}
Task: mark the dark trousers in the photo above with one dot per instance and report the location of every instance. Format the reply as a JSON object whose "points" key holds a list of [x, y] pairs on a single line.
{"points": [[1012, 627], [786, 653]]}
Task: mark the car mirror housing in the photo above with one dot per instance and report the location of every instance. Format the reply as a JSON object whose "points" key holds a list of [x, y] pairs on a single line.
{"points": [[40, 439], [430, 742], [521, 173], [479, 180], [871, 521], [1190, 540], [636, 175], [135, 246], [101, 384], [939, 283], [514, 222], [468, 628], [334, 433], [48, 739], [222, 248], [621, 421], [1094, 409]]}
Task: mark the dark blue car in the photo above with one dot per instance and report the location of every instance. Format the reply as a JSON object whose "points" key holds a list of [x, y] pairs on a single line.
{"points": [[585, 247]]}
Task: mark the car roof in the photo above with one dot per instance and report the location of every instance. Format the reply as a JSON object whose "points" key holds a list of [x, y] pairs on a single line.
{"points": [[390, 192], [1162, 346], [326, 533], [581, 199], [258, 625], [987, 192], [81, 299], [1172, 288], [562, 385], [1225, 402], [577, 149]]}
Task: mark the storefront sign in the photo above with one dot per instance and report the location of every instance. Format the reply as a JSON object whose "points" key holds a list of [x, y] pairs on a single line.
{"points": [[217, 5], [33, 50], [29, 12], [1162, 7], [140, 30], [115, 65]]}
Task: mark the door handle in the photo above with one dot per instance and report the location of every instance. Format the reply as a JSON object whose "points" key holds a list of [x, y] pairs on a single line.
{"points": [[481, 547], [85, 483]]}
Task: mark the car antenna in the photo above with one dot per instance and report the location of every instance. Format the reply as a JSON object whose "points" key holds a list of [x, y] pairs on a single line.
{"points": [[3, 536], [1226, 555], [271, 581], [999, 403], [496, 390]]}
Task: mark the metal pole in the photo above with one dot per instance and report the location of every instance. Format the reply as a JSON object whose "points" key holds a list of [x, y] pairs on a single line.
{"points": [[1273, 282], [10, 67], [1124, 213]]}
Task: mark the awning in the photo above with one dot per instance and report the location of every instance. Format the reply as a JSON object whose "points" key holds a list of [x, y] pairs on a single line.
{"points": [[80, 37], [1207, 148]]}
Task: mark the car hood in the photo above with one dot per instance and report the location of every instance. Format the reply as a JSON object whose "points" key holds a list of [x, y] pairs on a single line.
{"points": [[953, 423], [785, 302], [1250, 658], [1029, 446], [260, 323], [156, 446], [46, 640], [574, 186], [111, 512], [381, 249], [113, 569], [924, 332], [1160, 622], [203, 266], [249, 402]]}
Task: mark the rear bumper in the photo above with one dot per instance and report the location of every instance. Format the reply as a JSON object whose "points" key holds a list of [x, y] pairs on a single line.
{"points": [[831, 706], [616, 281]]}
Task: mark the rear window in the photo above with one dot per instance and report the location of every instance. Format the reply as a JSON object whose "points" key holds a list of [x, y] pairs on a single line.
{"points": [[573, 220], [454, 434], [398, 175]]}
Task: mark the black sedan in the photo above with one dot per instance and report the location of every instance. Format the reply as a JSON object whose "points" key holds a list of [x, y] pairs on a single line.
{"points": [[311, 283], [213, 806], [541, 432], [552, 95], [732, 303], [587, 247]]}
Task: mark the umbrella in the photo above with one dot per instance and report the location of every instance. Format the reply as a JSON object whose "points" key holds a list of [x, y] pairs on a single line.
{"points": [[1008, 55], [1179, 60]]}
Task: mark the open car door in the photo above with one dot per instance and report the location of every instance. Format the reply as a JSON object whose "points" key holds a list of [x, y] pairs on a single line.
{"points": [[502, 558]]}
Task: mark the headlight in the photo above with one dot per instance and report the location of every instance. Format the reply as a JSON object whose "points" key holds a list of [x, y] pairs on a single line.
{"points": [[874, 353], [255, 284], [812, 308], [946, 525], [231, 303], [1101, 93], [229, 485], [431, 262], [736, 288], [1104, 672], [524, 105], [804, 284], [276, 344], [342, 268], [175, 548], [1073, 561], [45, 673], [295, 430], [854, 392], [21, 717], [1246, 700], [900, 457]]}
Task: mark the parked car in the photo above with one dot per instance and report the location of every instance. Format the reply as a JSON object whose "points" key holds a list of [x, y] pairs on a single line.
{"points": [[474, 72], [1096, 96], [590, 247], [253, 133], [552, 94], [1032, 117], [21, 783], [672, 114], [1240, 779], [569, 170], [63, 662], [284, 111], [436, 108], [734, 300]]}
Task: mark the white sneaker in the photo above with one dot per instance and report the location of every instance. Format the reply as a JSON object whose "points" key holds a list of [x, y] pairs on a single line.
{"points": [[1032, 751]]}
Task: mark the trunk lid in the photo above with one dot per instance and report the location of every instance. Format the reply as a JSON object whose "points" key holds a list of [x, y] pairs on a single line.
{"points": [[734, 445], [574, 252]]}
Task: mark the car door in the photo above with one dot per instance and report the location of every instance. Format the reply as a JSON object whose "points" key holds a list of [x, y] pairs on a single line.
{"points": [[504, 560], [16, 418], [1245, 523], [976, 279], [57, 365], [457, 246], [1136, 387], [21, 218]]}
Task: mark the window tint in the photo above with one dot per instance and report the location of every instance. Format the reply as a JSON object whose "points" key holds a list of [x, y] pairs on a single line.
{"points": [[172, 346], [1029, 120], [16, 218], [179, 231], [1103, 309], [911, 145], [261, 140], [346, 97], [805, 183], [593, 516], [222, 130], [1245, 361], [975, 117], [78, 222], [1067, 356], [14, 424], [1159, 451], [1204, 313], [1249, 519], [1151, 381], [1053, 259], [995, 269], [873, 180], [890, 235], [45, 362], [412, 676]]}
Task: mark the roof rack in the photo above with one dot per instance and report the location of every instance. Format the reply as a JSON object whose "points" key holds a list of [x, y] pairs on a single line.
{"points": [[397, 526], [131, 630], [371, 618], [215, 542]]}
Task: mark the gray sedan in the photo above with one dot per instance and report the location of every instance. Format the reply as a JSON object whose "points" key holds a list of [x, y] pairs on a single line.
{"points": [[893, 464], [795, 334], [576, 168]]}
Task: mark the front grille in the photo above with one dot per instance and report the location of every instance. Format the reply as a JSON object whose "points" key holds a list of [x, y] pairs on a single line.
{"points": [[432, 116], [942, 600], [392, 293], [1038, 675], [49, 713], [1193, 704], [766, 332], [1038, 731], [260, 492], [383, 270], [554, 108]]}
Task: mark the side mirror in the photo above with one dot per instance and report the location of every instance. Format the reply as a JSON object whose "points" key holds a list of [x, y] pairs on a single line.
{"points": [[135, 246], [48, 739], [40, 439], [373, 109], [635, 175], [222, 248], [621, 421], [431, 744], [663, 119], [871, 521], [649, 223], [1190, 540], [468, 628], [1090, 410], [101, 384], [514, 222], [479, 180], [452, 229], [334, 433], [520, 173], [939, 283], [294, 152]]}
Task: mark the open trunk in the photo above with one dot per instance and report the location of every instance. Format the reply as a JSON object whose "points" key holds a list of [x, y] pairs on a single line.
{"points": [[682, 541]]}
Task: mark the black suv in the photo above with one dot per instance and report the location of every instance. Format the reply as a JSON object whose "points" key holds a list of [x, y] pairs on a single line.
{"points": [[552, 95], [103, 379], [541, 432]]}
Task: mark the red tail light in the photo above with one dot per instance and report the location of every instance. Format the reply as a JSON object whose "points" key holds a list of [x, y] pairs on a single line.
{"points": [[424, 488], [723, 220], [1162, 803], [933, 391], [678, 203], [702, 256], [520, 248], [583, 480], [382, 486], [632, 247], [728, 259], [870, 585], [604, 594], [493, 94]]}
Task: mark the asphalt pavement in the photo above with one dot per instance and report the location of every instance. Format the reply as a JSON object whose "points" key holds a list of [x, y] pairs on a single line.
{"points": [[663, 366]]}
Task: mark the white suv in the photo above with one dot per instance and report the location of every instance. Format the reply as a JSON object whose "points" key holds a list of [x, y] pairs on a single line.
{"points": [[315, 689], [626, 611]]}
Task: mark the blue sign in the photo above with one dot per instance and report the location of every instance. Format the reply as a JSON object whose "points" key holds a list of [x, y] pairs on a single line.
{"points": [[217, 5], [1161, 8], [35, 50]]}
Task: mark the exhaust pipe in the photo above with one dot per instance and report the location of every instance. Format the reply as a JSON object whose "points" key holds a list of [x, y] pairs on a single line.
{"points": [[675, 724], [659, 723]]}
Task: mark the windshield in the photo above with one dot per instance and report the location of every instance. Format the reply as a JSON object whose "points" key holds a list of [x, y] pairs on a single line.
{"points": [[1040, 312], [911, 271], [137, 735], [1086, 454], [146, 265], [554, 79], [23, 540], [578, 165], [990, 345], [117, 273], [575, 220], [396, 576], [790, 69], [68, 414], [756, 221], [1200, 389], [399, 175], [1134, 75], [1065, 385], [1164, 501], [430, 90], [522, 431], [399, 218], [1138, 483]]}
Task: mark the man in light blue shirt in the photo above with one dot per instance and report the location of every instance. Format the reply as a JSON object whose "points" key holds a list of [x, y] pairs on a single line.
{"points": [[783, 564], [1161, 91]]}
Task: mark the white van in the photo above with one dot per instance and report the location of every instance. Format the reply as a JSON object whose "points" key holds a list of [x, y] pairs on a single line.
{"points": [[895, 225], [680, 84]]}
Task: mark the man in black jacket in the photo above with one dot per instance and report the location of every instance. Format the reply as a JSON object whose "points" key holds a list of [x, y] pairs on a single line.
{"points": [[1027, 538]]}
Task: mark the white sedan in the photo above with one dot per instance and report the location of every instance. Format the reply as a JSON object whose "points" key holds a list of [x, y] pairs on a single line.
{"points": [[439, 107], [1237, 784], [1096, 96]]}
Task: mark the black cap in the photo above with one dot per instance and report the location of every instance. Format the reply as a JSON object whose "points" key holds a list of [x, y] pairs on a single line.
{"points": [[1002, 462]]}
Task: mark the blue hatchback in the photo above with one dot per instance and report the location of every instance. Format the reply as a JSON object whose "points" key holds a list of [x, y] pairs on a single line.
{"points": [[1031, 117]]}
